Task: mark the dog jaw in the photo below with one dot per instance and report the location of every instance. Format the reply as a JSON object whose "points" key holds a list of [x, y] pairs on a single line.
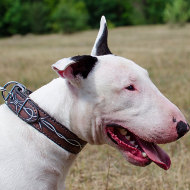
{"points": [[145, 112], [116, 90], [104, 96], [144, 109]]}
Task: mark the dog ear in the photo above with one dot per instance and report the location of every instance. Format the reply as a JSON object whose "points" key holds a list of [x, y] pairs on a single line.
{"points": [[101, 45], [74, 68]]}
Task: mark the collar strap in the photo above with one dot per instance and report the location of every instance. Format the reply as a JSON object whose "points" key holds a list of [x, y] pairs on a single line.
{"points": [[19, 102]]}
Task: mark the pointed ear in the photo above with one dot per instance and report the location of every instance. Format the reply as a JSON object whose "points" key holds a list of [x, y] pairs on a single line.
{"points": [[101, 45], [75, 68]]}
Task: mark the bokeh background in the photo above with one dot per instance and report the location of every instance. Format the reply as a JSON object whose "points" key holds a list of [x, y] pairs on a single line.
{"points": [[68, 16], [153, 33]]}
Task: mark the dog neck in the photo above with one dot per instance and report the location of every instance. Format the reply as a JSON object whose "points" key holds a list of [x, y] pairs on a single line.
{"points": [[61, 102], [56, 100]]}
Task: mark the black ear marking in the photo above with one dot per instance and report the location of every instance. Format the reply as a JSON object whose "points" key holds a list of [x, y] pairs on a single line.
{"points": [[83, 65], [102, 45]]}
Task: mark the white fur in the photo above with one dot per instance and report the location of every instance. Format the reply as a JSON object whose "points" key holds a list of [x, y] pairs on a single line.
{"points": [[62, 64], [29, 160], [102, 25]]}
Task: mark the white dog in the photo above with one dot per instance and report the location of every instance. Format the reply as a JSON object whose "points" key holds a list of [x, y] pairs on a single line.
{"points": [[101, 98]]}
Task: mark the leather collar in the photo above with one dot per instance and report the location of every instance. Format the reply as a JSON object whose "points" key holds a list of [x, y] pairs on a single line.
{"points": [[19, 102]]}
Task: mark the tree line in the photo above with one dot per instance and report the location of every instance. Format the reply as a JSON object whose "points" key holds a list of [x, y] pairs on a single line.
{"points": [[68, 16]]}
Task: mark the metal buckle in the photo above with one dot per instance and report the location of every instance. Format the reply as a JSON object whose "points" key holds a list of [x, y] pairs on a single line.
{"points": [[4, 89]]}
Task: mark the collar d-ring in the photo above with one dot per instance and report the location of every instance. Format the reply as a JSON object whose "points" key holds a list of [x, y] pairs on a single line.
{"points": [[4, 88]]}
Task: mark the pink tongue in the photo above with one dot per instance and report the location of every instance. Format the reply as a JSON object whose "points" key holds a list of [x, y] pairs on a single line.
{"points": [[156, 154]]}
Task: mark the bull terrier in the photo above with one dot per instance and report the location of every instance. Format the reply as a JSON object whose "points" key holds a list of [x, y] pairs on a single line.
{"points": [[101, 99]]}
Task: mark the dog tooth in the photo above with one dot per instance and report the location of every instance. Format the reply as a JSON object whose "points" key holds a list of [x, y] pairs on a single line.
{"points": [[136, 146], [132, 142], [123, 131], [127, 137], [144, 154]]}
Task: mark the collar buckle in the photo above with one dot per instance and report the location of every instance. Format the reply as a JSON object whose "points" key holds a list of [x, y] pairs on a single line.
{"points": [[4, 89]]}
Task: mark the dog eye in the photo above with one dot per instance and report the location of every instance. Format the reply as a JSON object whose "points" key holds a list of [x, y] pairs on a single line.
{"points": [[130, 87]]}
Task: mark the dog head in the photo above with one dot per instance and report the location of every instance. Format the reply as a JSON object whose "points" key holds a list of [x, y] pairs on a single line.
{"points": [[115, 102]]}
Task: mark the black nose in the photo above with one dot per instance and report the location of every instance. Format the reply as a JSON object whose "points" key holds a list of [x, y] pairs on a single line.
{"points": [[182, 128]]}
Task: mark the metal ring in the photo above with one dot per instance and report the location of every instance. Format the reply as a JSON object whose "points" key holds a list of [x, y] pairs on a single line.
{"points": [[23, 88], [2, 89]]}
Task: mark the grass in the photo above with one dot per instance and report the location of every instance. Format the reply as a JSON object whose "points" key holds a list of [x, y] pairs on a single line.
{"points": [[164, 52]]}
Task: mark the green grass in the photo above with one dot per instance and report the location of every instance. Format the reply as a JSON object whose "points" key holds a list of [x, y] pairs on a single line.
{"points": [[164, 52]]}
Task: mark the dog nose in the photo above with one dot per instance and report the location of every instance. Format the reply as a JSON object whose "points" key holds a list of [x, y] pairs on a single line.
{"points": [[182, 128]]}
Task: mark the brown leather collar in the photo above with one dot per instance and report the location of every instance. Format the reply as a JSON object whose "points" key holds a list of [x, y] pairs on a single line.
{"points": [[19, 102]]}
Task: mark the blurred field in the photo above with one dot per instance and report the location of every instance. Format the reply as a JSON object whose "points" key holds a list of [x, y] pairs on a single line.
{"points": [[164, 52]]}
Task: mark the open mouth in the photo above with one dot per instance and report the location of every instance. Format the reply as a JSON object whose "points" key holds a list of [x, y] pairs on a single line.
{"points": [[138, 151]]}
